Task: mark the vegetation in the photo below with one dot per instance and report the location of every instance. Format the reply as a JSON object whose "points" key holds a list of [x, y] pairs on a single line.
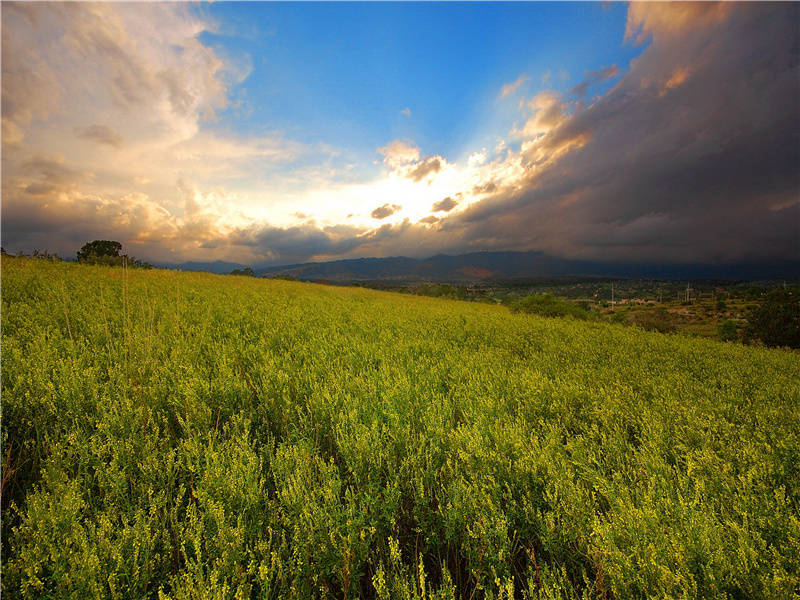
{"points": [[776, 322], [107, 252], [550, 306], [727, 331], [185, 435], [658, 319], [703, 309], [247, 271], [441, 290]]}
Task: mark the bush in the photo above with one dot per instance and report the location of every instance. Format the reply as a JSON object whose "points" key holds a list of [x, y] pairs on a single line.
{"points": [[776, 321], [727, 331], [547, 305]]}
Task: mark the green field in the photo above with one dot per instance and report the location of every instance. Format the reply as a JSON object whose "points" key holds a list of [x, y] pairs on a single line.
{"points": [[185, 435]]}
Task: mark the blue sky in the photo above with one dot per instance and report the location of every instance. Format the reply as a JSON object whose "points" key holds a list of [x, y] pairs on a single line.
{"points": [[266, 133], [342, 73]]}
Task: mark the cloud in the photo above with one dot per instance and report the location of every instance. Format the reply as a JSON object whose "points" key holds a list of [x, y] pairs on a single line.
{"points": [[295, 244], [686, 159], [101, 134], [445, 205], [512, 87], [397, 153], [668, 20], [485, 188], [406, 112], [424, 168], [384, 211], [144, 69], [690, 157], [593, 77], [477, 158], [548, 112]]}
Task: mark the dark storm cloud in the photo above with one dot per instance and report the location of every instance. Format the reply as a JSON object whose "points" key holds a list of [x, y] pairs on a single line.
{"points": [[692, 156], [297, 244], [387, 210], [445, 205]]}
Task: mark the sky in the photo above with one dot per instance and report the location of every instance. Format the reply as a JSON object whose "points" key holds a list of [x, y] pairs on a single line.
{"points": [[267, 133]]}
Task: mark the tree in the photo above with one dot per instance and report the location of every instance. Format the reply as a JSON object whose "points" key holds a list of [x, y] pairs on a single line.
{"points": [[247, 271], [107, 252], [99, 249], [776, 322]]}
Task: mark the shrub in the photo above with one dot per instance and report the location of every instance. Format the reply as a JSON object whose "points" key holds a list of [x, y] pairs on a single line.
{"points": [[776, 321], [727, 331], [547, 305]]}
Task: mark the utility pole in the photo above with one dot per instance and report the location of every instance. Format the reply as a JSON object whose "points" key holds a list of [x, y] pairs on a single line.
{"points": [[688, 287], [612, 296]]}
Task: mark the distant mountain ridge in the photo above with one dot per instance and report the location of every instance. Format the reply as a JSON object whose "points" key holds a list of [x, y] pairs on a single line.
{"points": [[492, 266]]}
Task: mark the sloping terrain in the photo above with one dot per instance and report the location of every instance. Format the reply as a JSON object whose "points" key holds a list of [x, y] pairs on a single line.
{"points": [[186, 435], [493, 266]]}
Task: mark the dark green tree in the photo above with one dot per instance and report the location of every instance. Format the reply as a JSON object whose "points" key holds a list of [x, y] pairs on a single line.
{"points": [[98, 249], [776, 321], [107, 252]]}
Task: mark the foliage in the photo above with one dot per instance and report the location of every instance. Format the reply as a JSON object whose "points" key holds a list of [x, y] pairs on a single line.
{"points": [[547, 305], [727, 331], [38, 254], [247, 271], [185, 435], [107, 252], [776, 321], [99, 249]]}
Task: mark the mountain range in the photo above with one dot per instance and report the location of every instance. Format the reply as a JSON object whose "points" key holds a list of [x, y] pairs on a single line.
{"points": [[497, 266]]}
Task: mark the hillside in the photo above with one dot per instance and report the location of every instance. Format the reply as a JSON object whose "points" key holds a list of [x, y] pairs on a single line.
{"points": [[188, 435], [493, 266]]}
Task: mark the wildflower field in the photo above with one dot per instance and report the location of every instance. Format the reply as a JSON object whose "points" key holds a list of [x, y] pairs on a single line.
{"points": [[186, 435]]}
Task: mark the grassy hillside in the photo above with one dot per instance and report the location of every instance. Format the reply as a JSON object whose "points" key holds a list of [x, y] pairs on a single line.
{"points": [[177, 435]]}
